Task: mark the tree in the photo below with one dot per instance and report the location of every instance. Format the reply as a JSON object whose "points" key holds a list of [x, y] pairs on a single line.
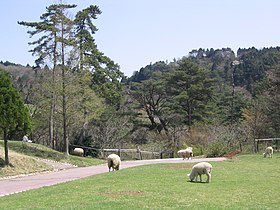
{"points": [[55, 28], [13, 113], [191, 89], [110, 130], [274, 97], [106, 75], [58, 46], [89, 55], [151, 97], [107, 84]]}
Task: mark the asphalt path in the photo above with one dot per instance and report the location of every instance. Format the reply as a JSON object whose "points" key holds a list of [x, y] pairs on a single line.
{"points": [[21, 183]]}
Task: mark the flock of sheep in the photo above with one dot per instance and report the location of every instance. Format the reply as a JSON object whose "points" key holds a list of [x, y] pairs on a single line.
{"points": [[114, 162]]}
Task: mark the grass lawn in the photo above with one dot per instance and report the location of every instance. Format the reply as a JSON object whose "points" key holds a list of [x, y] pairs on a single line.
{"points": [[247, 182], [41, 151]]}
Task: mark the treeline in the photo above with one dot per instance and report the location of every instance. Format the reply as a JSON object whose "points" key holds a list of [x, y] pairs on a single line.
{"points": [[215, 95], [213, 100]]}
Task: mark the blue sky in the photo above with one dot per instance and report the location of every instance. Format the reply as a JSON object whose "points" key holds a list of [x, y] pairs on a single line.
{"points": [[135, 33]]}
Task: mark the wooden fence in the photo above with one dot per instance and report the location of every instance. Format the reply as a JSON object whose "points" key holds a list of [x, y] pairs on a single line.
{"points": [[125, 154], [270, 141]]}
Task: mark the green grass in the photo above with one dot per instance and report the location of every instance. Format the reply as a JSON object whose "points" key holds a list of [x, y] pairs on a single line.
{"points": [[21, 164], [247, 182], [23, 158]]}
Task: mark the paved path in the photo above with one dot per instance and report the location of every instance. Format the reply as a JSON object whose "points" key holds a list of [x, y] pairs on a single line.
{"points": [[18, 184]]}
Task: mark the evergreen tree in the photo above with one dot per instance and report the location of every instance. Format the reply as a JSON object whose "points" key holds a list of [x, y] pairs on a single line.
{"points": [[13, 113], [151, 97], [191, 89], [55, 44], [106, 75], [89, 55]]}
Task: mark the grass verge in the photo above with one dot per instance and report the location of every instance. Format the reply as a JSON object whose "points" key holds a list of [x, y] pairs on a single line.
{"points": [[246, 182], [23, 158]]}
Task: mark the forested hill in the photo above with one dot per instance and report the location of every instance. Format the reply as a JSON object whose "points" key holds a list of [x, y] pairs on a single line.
{"points": [[253, 64], [22, 76], [222, 96]]}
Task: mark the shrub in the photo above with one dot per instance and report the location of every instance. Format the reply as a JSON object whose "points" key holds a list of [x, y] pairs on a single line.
{"points": [[217, 149], [197, 150]]}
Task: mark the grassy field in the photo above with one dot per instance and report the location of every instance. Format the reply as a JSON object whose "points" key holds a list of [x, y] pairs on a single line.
{"points": [[246, 182], [23, 158]]}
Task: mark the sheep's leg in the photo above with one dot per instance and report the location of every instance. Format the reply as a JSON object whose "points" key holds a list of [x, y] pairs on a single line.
{"points": [[200, 177], [195, 178], [208, 177]]}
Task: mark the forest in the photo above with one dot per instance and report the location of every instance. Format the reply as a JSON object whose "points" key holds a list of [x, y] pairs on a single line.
{"points": [[214, 100]]}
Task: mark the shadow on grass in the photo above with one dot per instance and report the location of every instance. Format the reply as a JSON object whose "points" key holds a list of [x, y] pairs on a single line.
{"points": [[2, 163], [198, 182]]}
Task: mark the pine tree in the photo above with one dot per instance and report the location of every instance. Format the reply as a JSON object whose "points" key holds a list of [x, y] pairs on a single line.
{"points": [[57, 35], [191, 89], [106, 74]]}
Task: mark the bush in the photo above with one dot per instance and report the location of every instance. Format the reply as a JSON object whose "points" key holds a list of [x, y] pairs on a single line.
{"points": [[217, 149], [197, 150]]}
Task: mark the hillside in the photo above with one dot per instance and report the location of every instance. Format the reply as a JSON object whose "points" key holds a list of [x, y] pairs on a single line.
{"points": [[27, 158], [21, 164]]}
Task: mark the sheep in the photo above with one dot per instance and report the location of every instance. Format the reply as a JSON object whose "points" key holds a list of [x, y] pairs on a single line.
{"points": [[186, 153], [25, 139], [78, 152], [199, 169], [268, 152], [114, 162]]}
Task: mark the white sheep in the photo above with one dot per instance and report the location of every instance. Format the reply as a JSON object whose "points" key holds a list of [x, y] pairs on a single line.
{"points": [[186, 153], [114, 162], [199, 169], [268, 152], [78, 152]]}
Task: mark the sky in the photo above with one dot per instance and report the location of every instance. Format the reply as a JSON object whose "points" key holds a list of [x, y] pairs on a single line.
{"points": [[135, 33]]}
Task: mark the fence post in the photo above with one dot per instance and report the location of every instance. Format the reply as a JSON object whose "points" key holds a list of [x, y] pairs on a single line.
{"points": [[119, 152], [139, 151]]}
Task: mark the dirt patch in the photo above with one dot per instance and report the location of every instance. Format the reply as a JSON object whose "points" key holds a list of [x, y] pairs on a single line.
{"points": [[232, 154], [130, 193]]}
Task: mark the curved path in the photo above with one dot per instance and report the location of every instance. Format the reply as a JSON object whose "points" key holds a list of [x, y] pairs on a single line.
{"points": [[11, 185]]}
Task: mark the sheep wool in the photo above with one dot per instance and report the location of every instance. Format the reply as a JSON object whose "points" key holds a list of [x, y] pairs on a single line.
{"points": [[199, 169], [268, 152], [78, 152], [185, 153], [114, 162]]}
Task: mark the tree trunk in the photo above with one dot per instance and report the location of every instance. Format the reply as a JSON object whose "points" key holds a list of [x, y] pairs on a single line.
{"points": [[64, 112], [7, 162], [51, 128]]}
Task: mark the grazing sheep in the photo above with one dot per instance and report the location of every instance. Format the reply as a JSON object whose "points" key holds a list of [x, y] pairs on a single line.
{"points": [[268, 152], [114, 162], [78, 152], [199, 169], [186, 153]]}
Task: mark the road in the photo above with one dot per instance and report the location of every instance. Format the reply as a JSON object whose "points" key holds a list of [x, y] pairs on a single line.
{"points": [[11, 185]]}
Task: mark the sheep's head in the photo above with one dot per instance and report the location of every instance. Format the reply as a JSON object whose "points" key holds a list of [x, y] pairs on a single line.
{"points": [[191, 177]]}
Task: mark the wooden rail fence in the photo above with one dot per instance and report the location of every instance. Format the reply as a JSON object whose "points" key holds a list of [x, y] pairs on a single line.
{"points": [[125, 154]]}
